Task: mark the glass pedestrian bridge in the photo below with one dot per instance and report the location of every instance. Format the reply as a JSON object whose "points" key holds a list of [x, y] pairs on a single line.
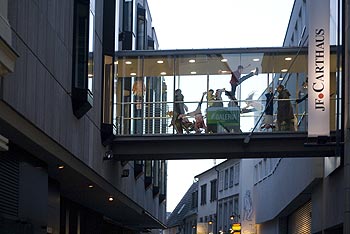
{"points": [[187, 94]]}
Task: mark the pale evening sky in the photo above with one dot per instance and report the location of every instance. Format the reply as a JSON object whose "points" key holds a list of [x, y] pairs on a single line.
{"points": [[203, 24]]}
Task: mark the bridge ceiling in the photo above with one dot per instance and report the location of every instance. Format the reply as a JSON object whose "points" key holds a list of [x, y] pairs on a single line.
{"points": [[213, 62]]}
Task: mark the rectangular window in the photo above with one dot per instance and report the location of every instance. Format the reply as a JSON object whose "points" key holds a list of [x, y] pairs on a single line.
{"points": [[231, 176], [163, 176], [141, 28], [148, 173], [194, 200], [235, 205], [225, 217], [236, 177], [213, 190], [81, 44], [221, 180], [226, 179], [220, 223], [230, 207], [256, 178], [108, 48], [204, 194], [83, 62], [138, 168]]}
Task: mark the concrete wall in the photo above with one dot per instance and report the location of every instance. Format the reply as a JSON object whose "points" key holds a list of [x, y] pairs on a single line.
{"points": [[291, 178], [40, 87]]}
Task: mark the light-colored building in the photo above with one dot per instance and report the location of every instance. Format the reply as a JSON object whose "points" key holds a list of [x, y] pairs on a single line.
{"points": [[301, 195], [225, 197]]}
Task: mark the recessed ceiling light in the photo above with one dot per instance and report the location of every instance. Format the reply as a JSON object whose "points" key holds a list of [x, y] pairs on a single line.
{"points": [[110, 199], [284, 70], [224, 60], [128, 62], [191, 61], [288, 58], [133, 74], [281, 78], [160, 61], [193, 73], [224, 72], [60, 167], [91, 186], [256, 60], [163, 73]]}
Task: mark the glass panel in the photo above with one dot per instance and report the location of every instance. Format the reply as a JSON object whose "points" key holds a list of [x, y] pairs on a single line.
{"points": [[91, 46], [107, 90], [206, 92]]}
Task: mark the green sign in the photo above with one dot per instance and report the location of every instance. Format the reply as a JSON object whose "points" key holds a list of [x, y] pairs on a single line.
{"points": [[225, 116]]}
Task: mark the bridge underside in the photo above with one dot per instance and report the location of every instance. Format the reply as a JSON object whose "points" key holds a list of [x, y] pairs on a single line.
{"points": [[216, 146]]}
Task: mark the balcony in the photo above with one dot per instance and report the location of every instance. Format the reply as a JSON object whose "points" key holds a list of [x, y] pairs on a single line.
{"points": [[146, 102]]}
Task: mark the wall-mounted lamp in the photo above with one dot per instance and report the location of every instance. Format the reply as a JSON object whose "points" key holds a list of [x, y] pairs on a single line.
{"points": [[108, 155], [234, 215], [125, 173]]}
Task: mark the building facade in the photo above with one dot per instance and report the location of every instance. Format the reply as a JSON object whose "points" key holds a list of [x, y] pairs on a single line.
{"points": [[302, 195], [225, 198], [56, 120]]}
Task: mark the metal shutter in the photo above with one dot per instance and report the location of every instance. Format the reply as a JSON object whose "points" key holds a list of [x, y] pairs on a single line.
{"points": [[299, 222], [9, 180]]}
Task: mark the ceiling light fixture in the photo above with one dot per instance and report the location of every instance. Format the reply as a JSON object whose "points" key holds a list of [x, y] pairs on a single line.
{"points": [[288, 58], [191, 61], [163, 73], [128, 62], [224, 60], [160, 61], [284, 70], [193, 73], [133, 74], [110, 199], [256, 59]]}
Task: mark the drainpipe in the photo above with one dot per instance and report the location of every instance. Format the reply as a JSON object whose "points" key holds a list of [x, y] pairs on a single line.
{"points": [[217, 199]]}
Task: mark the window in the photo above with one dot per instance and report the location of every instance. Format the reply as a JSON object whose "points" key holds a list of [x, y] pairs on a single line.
{"points": [[235, 205], [148, 173], [213, 190], [108, 48], [127, 35], [91, 45], [83, 62], [226, 179], [156, 177], [163, 173], [194, 200], [236, 177], [221, 180], [256, 178], [204, 194], [141, 28], [231, 176], [138, 168]]}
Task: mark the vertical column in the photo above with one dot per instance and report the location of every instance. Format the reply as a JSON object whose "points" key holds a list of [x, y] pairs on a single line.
{"points": [[346, 12]]}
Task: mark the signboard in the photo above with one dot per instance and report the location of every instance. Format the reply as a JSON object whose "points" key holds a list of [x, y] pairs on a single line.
{"points": [[318, 68], [225, 116], [236, 228]]}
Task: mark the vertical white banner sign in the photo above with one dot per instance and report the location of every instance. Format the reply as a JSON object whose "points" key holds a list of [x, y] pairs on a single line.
{"points": [[318, 68]]}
